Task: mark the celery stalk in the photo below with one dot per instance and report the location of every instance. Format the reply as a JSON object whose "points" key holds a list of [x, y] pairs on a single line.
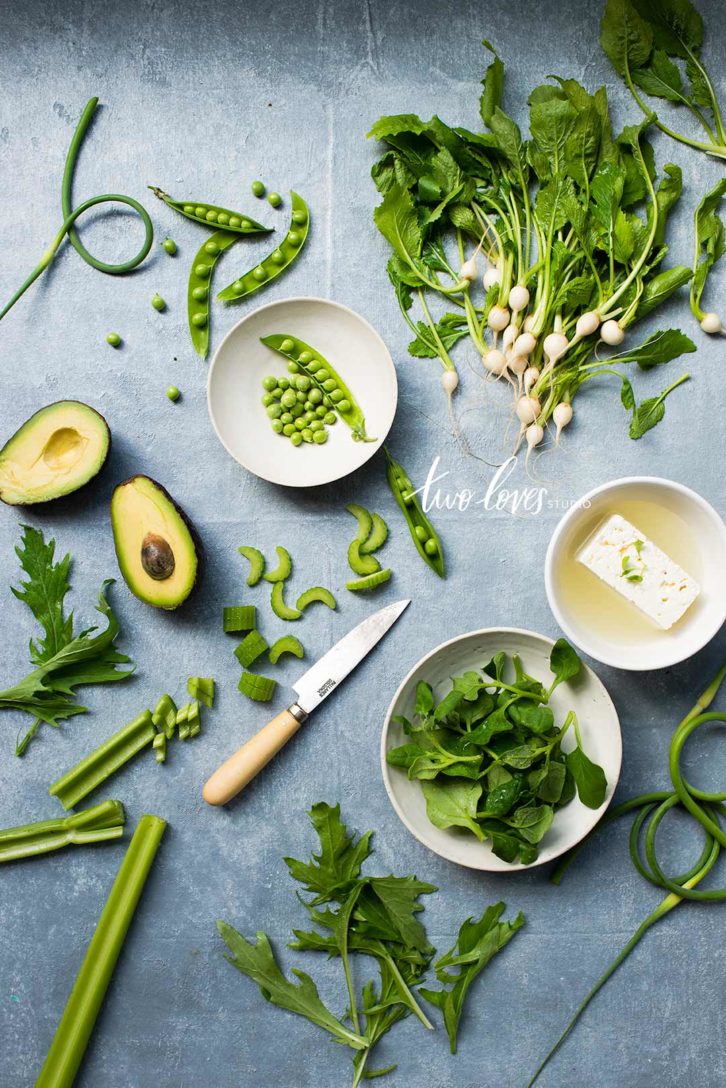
{"points": [[100, 823], [79, 1016], [101, 764]]}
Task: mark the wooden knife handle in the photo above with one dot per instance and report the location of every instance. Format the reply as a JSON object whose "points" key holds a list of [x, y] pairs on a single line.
{"points": [[234, 774]]}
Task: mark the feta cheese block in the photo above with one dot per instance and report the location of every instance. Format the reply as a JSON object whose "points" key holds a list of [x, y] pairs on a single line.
{"points": [[639, 571]]}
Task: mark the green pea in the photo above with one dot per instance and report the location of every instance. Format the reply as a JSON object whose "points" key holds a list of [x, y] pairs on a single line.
{"points": [[288, 398], [296, 410], [307, 435], [303, 382], [301, 396], [274, 199], [200, 293], [309, 417], [287, 345], [234, 220], [270, 382], [299, 216], [173, 393], [258, 188], [158, 303], [200, 320], [288, 429], [309, 406], [202, 270], [330, 385], [293, 368], [336, 395], [268, 399], [284, 383], [294, 238], [327, 401], [421, 533], [320, 437], [189, 209], [274, 411], [320, 412], [223, 218], [277, 426], [343, 406], [305, 357], [245, 224], [169, 245], [114, 340], [277, 393], [296, 438], [315, 396], [431, 547], [200, 211], [321, 374], [300, 424], [330, 418], [316, 425], [211, 247], [259, 273], [238, 285], [286, 417], [277, 257], [211, 216]]}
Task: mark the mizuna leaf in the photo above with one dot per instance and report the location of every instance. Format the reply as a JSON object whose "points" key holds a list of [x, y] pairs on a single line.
{"points": [[338, 864]]}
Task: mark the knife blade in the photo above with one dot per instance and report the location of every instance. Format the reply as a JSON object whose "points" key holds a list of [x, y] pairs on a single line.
{"points": [[311, 689]]}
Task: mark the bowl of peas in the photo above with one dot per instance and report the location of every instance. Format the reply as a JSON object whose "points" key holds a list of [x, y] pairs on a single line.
{"points": [[302, 392]]}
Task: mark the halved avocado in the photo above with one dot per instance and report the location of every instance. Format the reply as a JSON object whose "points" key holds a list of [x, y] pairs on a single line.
{"points": [[56, 451], [154, 543]]}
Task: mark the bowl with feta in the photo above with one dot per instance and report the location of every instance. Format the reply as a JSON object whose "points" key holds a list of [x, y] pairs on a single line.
{"points": [[634, 573]]}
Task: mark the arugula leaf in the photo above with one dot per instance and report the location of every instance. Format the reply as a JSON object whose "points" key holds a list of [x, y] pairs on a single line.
{"points": [[476, 945], [331, 872], [44, 592]]}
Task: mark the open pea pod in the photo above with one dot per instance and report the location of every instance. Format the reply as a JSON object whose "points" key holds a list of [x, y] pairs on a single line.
{"points": [[200, 278], [422, 531], [277, 261], [310, 362], [211, 215]]}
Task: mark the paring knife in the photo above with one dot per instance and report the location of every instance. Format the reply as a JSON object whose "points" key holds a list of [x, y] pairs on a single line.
{"points": [[312, 687]]}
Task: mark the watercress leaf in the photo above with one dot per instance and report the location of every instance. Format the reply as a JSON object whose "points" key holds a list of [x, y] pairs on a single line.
{"points": [[564, 662], [533, 822], [258, 962], [528, 853], [661, 78], [493, 86], [589, 778], [330, 873], [501, 799], [470, 684], [504, 846], [551, 785], [397, 221], [453, 804], [497, 722], [496, 666], [424, 699], [625, 37], [660, 347], [522, 757], [537, 719], [448, 704], [472, 711], [403, 756], [497, 775]]}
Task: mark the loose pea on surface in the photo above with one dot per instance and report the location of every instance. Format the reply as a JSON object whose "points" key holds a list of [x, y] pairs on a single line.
{"points": [[300, 424], [319, 437], [277, 426], [287, 417], [309, 406], [309, 417], [270, 382], [284, 383], [274, 411], [268, 399], [321, 411], [258, 188], [303, 382], [316, 425], [274, 199], [288, 429], [301, 397], [330, 418], [296, 438], [307, 434], [170, 246], [288, 399], [173, 393], [296, 410], [158, 303], [277, 392], [114, 340]]}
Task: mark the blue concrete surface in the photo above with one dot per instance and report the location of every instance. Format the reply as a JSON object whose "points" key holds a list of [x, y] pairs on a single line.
{"points": [[201, 99]]}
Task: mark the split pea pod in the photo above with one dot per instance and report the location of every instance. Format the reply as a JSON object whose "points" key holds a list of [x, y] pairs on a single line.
{"points": [[422, 531], [277, 261], [200, 278], [211, 215], [324, 377]]}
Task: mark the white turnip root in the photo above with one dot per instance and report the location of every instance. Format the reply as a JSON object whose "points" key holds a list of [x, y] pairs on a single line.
{"points": [[518, 299], [612, 333], [562, 416], [491, 277], [498, 318], [711, 323], [528, 408]]}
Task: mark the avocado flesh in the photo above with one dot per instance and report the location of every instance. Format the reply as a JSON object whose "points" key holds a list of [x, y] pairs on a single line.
{"points": [[55, 452], [142, 510]]}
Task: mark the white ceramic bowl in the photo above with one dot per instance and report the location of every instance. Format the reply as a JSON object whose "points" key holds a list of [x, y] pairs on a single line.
{"points": [[234, 389], [599, 726], [659, 649]]}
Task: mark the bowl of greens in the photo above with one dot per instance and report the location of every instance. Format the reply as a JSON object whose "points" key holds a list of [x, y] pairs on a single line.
{"points": [[501, 749]]}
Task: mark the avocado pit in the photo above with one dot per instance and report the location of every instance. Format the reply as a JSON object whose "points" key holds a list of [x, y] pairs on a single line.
{"points": [[157, 557]]}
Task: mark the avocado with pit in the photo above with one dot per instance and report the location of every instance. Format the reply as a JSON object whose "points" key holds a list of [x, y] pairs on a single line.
{"points": [[155, 543], [55, 452]]}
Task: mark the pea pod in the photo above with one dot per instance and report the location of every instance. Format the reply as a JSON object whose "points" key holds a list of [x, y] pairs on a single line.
{"points": [[311, 362], [277, 261], [422, 531], [211, 215], [200, 277]]}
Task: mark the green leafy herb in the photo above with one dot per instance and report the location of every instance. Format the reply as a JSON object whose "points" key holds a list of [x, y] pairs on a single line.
{"points": [[651, 411], [375, 919], [709, 246], [63, 660]]}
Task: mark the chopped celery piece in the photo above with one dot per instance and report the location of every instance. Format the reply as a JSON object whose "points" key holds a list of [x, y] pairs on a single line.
{"points": [[237, 618], [101, 823], [283, 569], [164, 717], [256, 561], [101, 764], [277, 601], [201, 688], [252, 646], [288, 644], [259, 688], [370, 582], [316, 594]]}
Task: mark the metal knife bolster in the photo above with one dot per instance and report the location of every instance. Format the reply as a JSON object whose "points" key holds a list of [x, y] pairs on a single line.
{"points": [[298, 713]]}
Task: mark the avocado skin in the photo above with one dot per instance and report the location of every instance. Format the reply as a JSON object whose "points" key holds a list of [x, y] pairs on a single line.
{"points": [[188, 524], [29, 421]]}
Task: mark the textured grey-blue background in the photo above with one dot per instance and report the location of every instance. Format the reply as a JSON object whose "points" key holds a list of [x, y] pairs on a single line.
{"points": [[201, 99]]}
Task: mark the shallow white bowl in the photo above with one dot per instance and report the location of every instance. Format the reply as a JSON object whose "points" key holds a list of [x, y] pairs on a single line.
{"points": [[234, 389], [599, 726], [705, 616]]}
